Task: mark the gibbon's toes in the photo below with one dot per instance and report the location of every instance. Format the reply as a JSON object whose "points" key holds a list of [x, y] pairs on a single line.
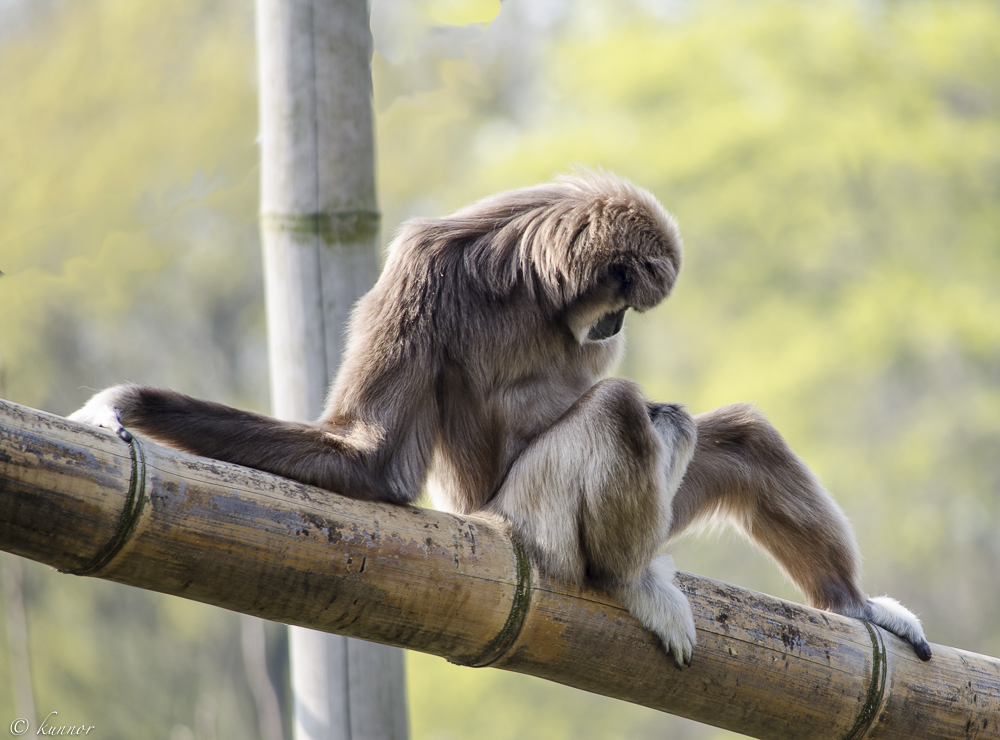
{"points": [[100, 411], [680, 650], [923, 650], [889, 614], [664, 609]]}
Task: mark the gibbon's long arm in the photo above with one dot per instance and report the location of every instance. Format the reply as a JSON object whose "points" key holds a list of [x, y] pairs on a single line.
{"points": [[354, 463], [743, 471]]}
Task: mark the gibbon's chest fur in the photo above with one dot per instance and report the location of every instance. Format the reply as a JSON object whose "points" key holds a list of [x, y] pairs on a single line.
{"points": [[488, 413]]}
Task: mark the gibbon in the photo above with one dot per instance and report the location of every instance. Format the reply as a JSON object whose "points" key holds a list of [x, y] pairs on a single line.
{"points": [[476, 367]]}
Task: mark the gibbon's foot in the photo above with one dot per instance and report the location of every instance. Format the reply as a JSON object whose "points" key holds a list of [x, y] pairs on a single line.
{"points": [[888, 613], [662, 608], [102, 411]]}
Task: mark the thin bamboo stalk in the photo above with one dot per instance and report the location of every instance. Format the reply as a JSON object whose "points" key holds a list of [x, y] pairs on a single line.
{"points": [[85, 502]]}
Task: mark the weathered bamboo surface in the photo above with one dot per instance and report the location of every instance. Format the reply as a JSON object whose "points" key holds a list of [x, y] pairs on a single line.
{"points": [[83, 501]]}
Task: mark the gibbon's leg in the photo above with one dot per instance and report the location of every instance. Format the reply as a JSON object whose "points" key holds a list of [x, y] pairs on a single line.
{"points": [[590, 498], [348, 464], [744, 470]]}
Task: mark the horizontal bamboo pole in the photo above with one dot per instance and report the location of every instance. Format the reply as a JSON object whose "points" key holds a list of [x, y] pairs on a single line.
{"points": [[80, 499]]}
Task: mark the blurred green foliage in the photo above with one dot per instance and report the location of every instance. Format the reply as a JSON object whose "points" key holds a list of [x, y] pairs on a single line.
{"points": [[835, 169], [127, 199]]}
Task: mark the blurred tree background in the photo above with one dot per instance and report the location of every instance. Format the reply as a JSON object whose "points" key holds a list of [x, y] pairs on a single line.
{"points": [[835, 169]]}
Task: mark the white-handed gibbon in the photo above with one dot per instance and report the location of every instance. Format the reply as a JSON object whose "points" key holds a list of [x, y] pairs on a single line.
{"points": [[475, 367]]}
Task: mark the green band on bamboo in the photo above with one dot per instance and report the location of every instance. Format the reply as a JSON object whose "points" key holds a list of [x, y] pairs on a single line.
{"points": [[333, 226], [876, 687], [134, 503], [515, 619]]}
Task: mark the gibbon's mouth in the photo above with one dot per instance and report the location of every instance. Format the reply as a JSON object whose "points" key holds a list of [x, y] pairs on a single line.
{"points": [[607, 326]]}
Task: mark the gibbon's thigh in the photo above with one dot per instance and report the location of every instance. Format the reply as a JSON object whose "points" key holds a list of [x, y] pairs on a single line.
{"points": [[590, 496]]}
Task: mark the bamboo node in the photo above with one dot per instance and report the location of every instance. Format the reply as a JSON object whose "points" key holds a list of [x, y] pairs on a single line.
{"points": [[335, 227], [876, 686], [134, 503], [515, 619]]}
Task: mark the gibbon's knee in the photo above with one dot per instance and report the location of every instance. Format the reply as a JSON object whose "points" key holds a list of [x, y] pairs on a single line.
{"points": [[590, 496]]}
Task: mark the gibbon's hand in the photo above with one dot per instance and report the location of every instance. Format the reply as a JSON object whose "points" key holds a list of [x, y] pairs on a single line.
{"points": [[889, 614], [102, 410]]}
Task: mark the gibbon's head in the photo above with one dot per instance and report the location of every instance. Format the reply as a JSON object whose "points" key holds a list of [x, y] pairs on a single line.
{"points": [[586, 247], [567, 237], [591, 245]]}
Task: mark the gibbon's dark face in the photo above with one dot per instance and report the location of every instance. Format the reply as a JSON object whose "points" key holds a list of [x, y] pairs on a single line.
{"points": [[607, 326]]}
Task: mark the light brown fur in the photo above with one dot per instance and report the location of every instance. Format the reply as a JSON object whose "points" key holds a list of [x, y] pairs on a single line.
{"points": [[476, 366]]}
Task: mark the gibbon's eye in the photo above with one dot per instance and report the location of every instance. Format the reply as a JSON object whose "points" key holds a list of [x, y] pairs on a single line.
{"points": [[609, 325]]}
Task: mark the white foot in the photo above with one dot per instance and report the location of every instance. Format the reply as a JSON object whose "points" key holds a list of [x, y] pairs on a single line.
{"points": [[661, 607], [886, 612], [889, 614]]}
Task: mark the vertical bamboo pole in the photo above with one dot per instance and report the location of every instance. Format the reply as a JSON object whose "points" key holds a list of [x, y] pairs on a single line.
{"points": [[319, 227]]}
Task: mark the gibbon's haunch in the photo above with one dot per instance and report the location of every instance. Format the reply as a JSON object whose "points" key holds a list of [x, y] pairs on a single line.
{"points": [[476, 367]]}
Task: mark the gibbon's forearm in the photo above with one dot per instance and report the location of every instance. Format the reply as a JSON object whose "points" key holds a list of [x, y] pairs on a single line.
{"points": [[304, 452]]}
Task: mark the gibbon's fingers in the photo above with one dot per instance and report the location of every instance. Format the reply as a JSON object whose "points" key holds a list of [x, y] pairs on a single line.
{"points": [[889, 614]]}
